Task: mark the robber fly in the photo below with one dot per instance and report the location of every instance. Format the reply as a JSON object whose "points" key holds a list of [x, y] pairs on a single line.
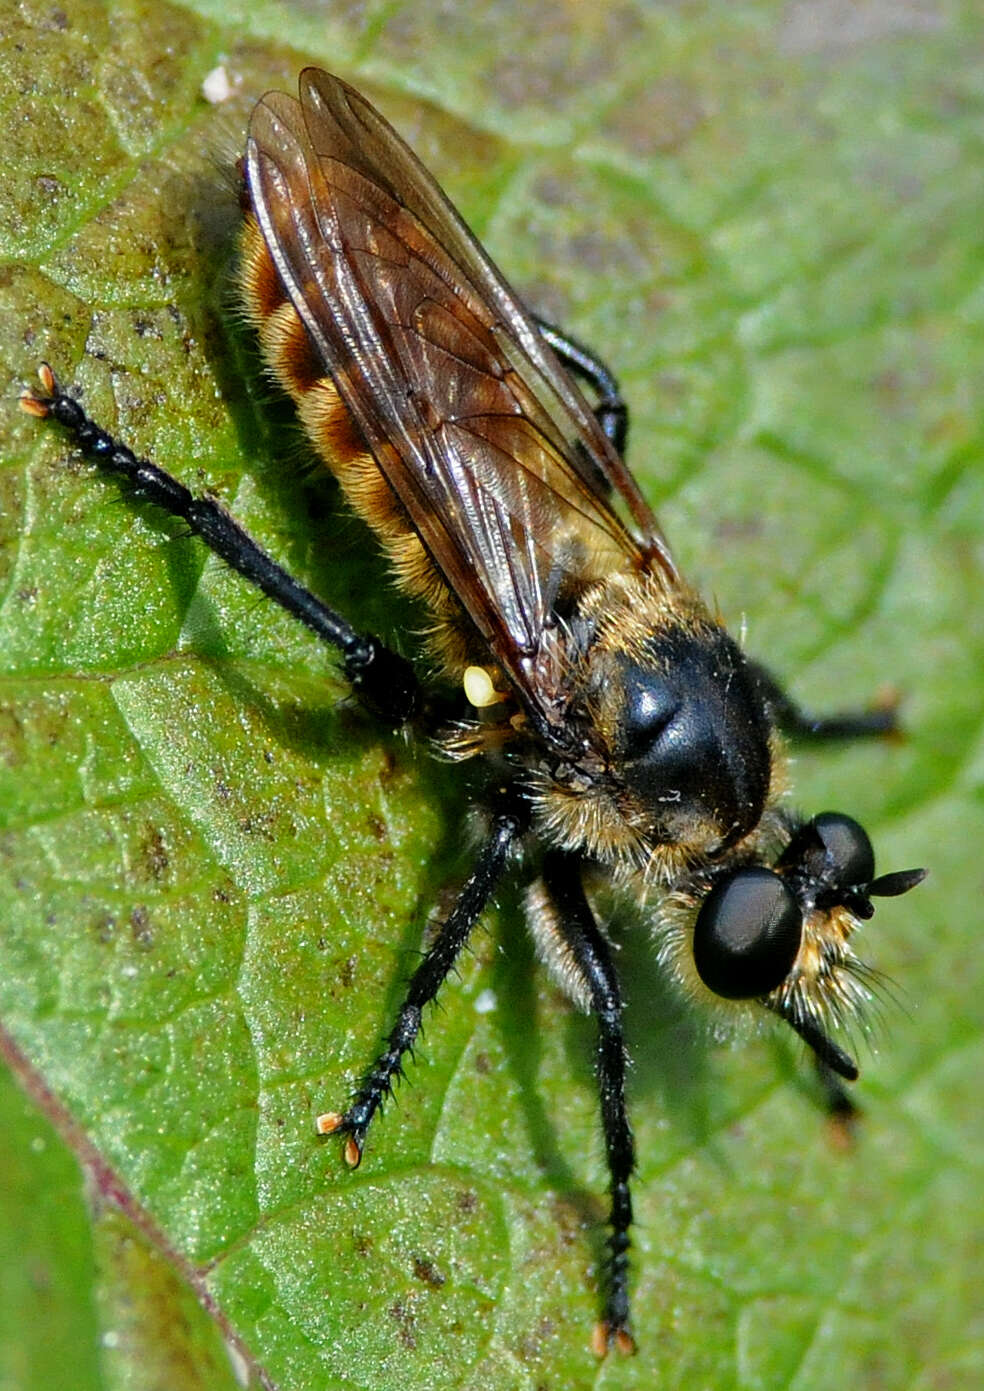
{"points": [[623, 732]]}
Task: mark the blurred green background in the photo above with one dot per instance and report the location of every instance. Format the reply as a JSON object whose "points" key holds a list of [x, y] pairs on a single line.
{"points": [[215, 874]]}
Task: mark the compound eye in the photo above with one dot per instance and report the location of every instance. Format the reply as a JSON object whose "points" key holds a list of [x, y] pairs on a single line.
{"points": [[847, 846], [747, 935]]}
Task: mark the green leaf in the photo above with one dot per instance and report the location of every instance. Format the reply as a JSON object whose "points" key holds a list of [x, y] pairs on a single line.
{"points": [[216, 874]]}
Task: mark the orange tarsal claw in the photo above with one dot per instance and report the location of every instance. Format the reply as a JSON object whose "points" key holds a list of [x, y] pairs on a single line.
{"points": [[38, 406], [330, 1124], [605, 1335]]}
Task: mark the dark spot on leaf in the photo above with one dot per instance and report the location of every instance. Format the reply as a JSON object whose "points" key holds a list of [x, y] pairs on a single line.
{"points": [[140, 926], [427, 1271], [552, 191], [258, 826], [55, 19], [155, 853], [346, 972], [11, 736], [738, 529], [405, 1321], [567, 1220], [531, 1347]]}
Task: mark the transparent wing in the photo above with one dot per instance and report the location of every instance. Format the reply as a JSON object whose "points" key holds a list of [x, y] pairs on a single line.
{"points": [[484, 438]]}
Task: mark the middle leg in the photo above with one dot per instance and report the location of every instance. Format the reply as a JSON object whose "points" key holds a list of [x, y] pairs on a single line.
{"points": [[581, 362], [508, 825], [591, 957]]}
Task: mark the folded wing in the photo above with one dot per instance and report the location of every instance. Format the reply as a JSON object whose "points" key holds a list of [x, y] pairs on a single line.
{"points": [[492, 450]]}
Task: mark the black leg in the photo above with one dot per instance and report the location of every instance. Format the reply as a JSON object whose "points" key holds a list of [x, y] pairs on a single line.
{"points": [[611, 410], [384, 680], [844, 724], [842, 1111], [507, 826], [562, 878]]}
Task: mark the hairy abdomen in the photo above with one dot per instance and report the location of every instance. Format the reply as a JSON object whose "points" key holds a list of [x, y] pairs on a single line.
{"points": [[297, 367]]}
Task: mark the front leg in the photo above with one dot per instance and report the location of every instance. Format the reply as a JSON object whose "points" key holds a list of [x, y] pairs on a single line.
{"points": [[591, 957], [841, 1108], [842, 724]]}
